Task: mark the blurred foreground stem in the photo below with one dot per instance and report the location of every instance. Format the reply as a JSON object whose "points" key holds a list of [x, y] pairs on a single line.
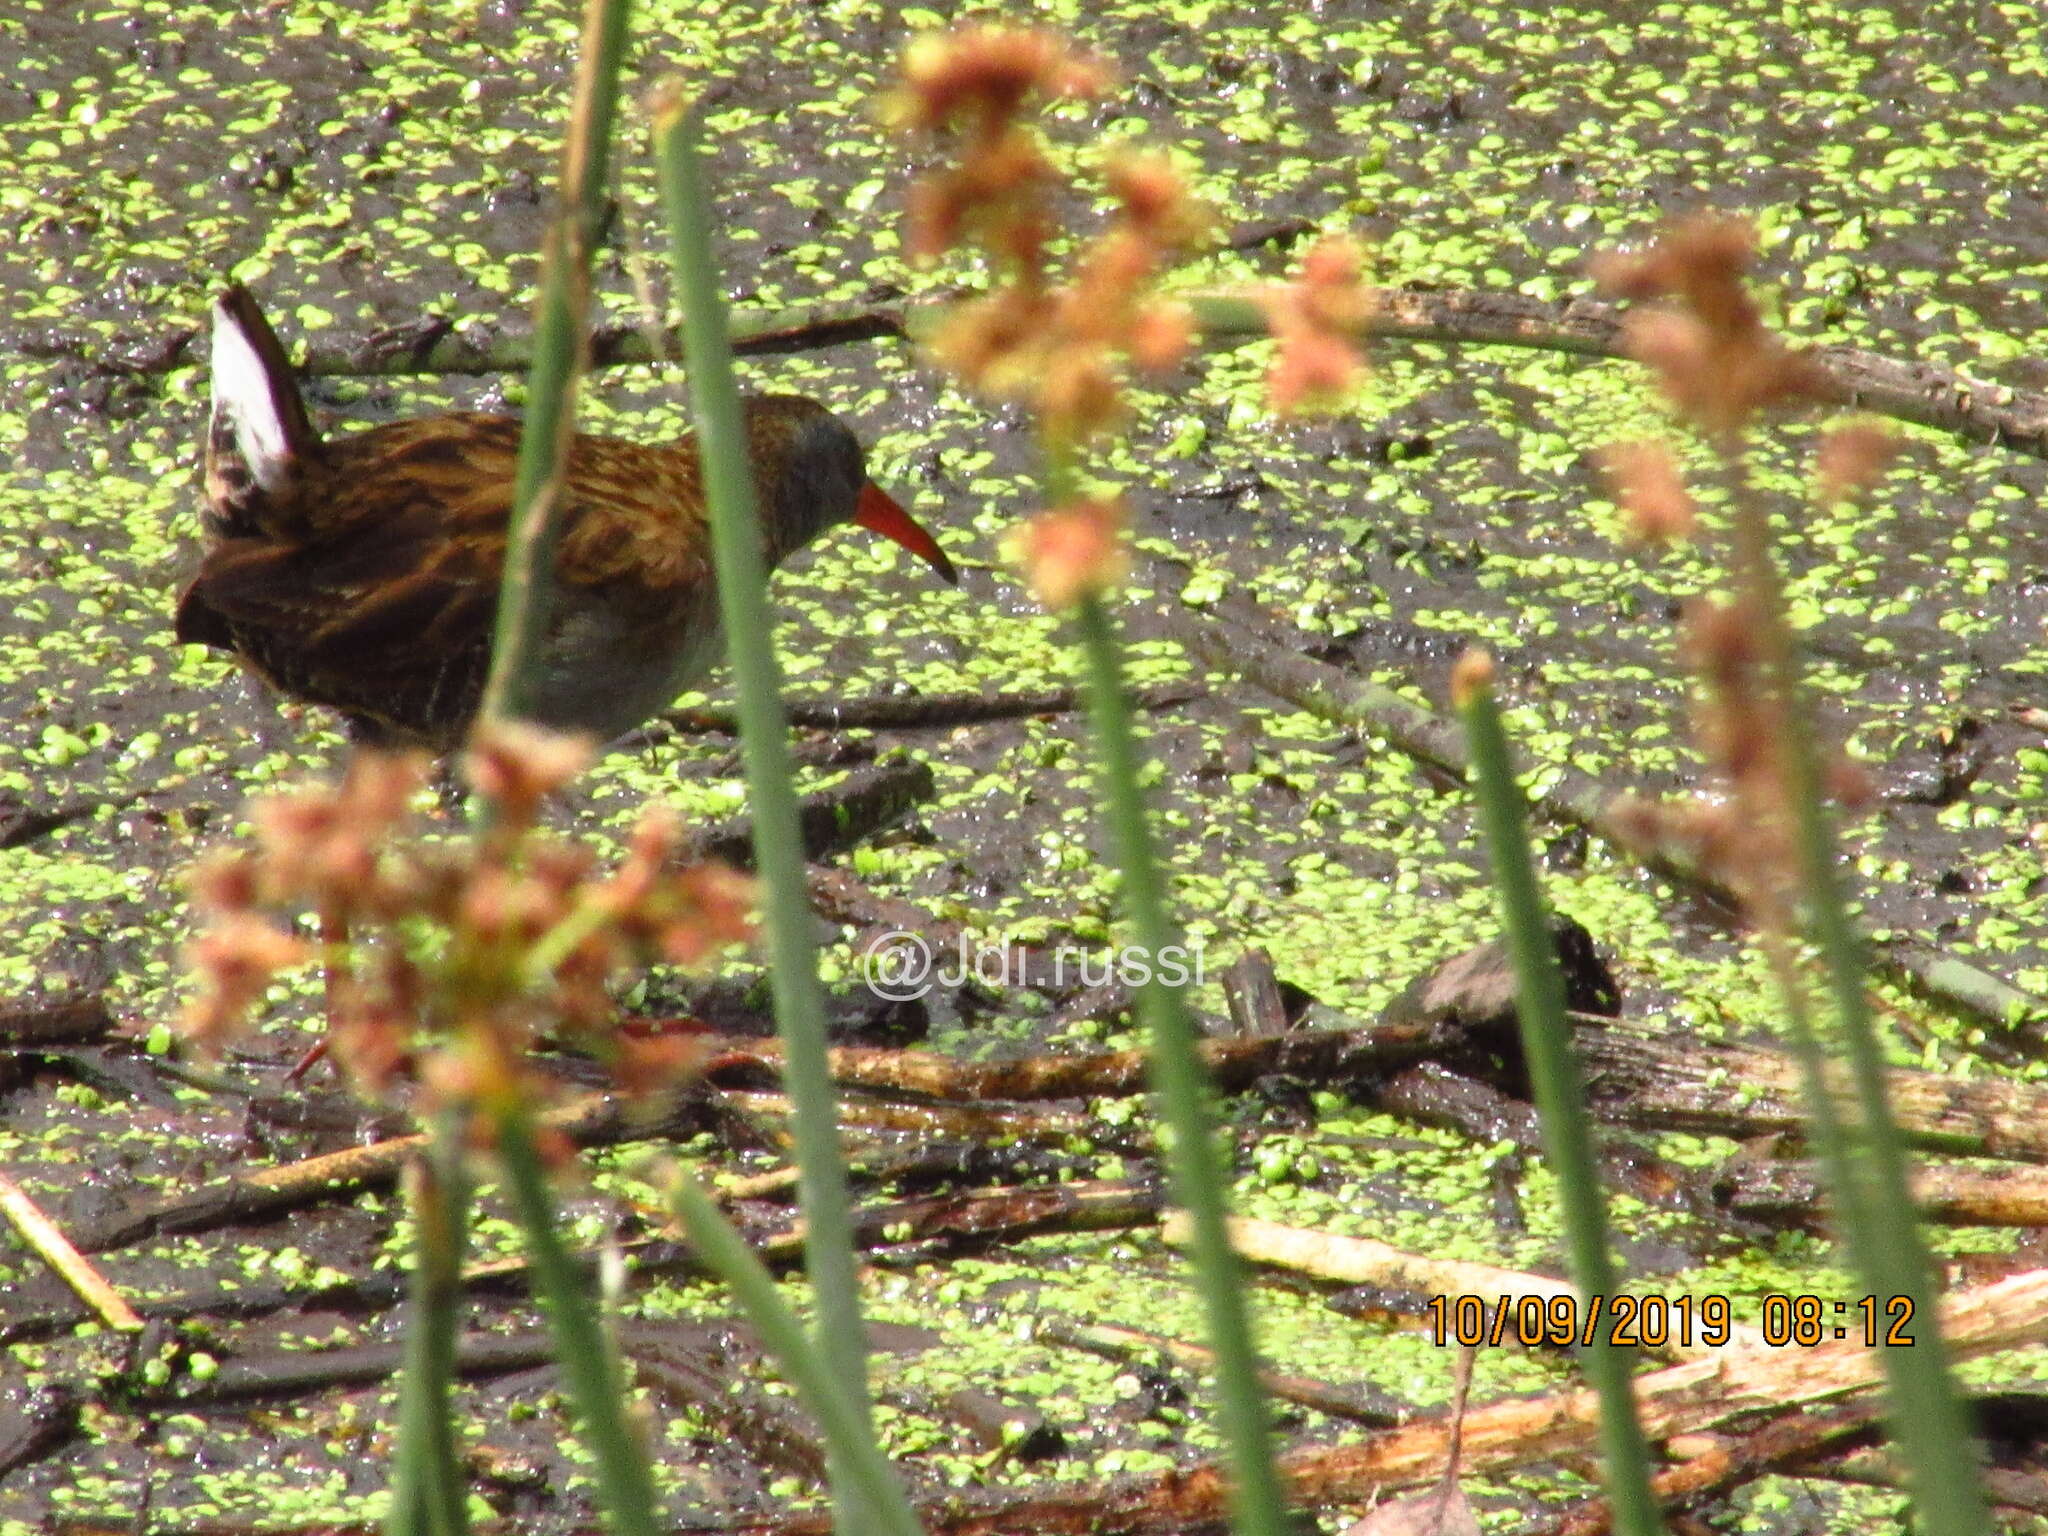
{"points": [[1560, 1105], [840, 1412], [764, 738], [428, 1497], [1199, 1171], [583, 1352], [559, 330], [1863, 1153]]}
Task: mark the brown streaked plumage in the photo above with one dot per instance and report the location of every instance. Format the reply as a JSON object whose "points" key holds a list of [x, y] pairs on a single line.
{"points": [[362, 572]]}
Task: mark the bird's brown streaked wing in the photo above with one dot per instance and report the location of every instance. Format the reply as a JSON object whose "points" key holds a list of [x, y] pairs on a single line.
{"points": [[453, 472], [384, 607], [629, 512], [458, 473], [430, 610], [409, 545], [335, 602], [409, 656], [633, 516]]}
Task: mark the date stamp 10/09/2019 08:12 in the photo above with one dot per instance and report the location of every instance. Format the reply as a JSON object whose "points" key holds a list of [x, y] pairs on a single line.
{"points": [[1659, 1322]]}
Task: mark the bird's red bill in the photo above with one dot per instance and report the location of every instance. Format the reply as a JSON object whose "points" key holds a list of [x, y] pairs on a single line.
{"points": [[877, 510]]}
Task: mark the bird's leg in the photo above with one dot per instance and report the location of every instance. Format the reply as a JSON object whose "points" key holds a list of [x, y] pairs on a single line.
{"points": [[307, 1062], [449, 793], [333, 938]]}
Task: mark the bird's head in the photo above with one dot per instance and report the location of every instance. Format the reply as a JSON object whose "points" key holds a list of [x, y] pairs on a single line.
{"points": [[810, 476]]}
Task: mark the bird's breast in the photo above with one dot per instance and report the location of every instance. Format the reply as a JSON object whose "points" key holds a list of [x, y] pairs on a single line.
{"points": [[606, 670]]}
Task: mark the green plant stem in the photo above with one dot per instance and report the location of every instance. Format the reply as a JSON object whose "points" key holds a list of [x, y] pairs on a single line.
{"points": [[764, 740], [428, 1497], [559, 329], [1865, 1157], [1199, 1172], [841, 1414], [1560, 1107], [583, 1353], [587, 917]]}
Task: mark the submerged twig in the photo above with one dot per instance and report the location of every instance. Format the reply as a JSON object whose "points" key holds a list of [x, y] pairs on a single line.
{"points": [[1311, 1054], [1788, 1437], [1367, 1261], [866, 799], [929, 711], [1927, 394], [596, 1120], [1363, 1404]]}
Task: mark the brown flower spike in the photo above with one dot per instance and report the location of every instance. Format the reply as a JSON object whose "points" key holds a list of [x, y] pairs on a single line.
{"points": [[1058, 349], [1713, 356], [465, 951], [1851, 457], [979, 78], [1316, 319], [1072, 552], [1721, 368], [1646, 481], [978, 81]]}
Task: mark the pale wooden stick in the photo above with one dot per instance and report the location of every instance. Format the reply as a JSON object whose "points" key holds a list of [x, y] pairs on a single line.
{"points": [[42, 1234], [1364, 1261]]}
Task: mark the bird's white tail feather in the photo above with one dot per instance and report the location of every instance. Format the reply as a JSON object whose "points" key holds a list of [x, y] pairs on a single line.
{"points": [[253, 402]]}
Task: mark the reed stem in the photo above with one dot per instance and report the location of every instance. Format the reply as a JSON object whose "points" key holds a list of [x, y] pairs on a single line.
{"points": [[1863, 1153], [583, 1351], [1197, 1165], [1561, 1108], [842, 1414], [560, 326], [428, 1497], [829, 1253]]}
